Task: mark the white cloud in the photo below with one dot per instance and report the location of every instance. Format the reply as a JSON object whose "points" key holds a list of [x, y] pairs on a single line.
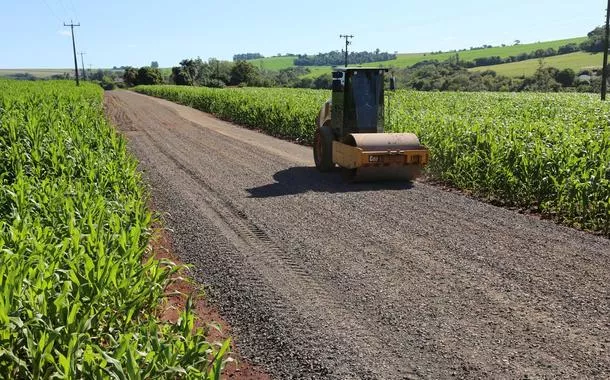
{"points": [[64, 32]]}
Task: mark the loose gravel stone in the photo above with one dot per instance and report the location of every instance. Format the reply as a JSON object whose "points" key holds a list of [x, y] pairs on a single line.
{"points": [[322, 279]]}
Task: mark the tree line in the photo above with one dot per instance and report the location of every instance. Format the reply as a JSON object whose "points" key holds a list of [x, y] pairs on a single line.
{"points": [[448, 76], [334, 58], [428, 75], [246, 56], [538, 53], [219, 74]]}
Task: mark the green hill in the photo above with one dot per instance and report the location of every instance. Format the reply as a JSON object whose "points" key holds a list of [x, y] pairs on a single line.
{"points": [[409, 59], [405, 60], [39, 73], [575, 61], [274, 63]]}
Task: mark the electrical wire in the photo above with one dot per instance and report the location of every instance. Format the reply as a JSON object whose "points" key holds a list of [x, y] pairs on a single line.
{"points": [[73, 8], [66, 13], [52, 12]]}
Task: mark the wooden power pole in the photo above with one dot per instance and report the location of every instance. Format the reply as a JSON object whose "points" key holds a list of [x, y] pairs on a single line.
{"points": [[347, 42], [604, 67], [72, 25], [82, 65]]}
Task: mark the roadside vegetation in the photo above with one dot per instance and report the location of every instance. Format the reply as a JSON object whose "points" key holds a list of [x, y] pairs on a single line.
{"points": [[549, 153], [80, 292]]}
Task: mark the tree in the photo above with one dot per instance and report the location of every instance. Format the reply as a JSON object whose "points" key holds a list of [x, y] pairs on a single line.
{"points": [[180, 76], [305, 82], [148, 75], [130, 76], [542, 81], [154, 64], [196, 72], [97, 75], [517, 42], [194, 69], [338, 58], [324, 81], [247, 56], [243, 72], [595, 40], [219, 70], [566, 77], [569, 48]]}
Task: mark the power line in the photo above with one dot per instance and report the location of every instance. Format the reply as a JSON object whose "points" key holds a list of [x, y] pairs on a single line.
{"points": [[72, 25], [347, 43], [66, 13], [73, 9], [51, 10]]}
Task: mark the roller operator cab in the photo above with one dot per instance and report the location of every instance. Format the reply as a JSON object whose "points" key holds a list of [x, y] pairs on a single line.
{"points": [[350, 131]]}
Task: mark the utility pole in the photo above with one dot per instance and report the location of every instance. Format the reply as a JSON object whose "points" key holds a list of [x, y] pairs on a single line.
{"points": [[72, 25], [347, 42], [82, 64], [604, 67]]}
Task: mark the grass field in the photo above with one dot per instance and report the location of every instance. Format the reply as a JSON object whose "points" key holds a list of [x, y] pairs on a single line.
{"points": [[40, 73], [406, 60], [273, 63], [575, 61]]}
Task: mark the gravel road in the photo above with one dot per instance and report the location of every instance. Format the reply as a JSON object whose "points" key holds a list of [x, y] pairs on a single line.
{"points": [[322, 279]]}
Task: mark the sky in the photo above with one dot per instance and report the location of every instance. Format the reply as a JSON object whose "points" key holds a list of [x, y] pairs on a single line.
{"points": [[136, 32]]}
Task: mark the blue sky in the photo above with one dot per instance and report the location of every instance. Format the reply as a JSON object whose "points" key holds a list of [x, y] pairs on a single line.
{"points": [[136, 32]]}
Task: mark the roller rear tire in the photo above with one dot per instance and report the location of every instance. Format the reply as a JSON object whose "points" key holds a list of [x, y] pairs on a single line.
{"points": [[323, 149]]}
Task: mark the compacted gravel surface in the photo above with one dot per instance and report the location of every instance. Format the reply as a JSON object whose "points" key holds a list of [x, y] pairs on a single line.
{"points": [[322, 279]]}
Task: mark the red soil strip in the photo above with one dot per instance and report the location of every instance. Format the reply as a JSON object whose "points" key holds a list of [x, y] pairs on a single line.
{"points": [[179, 289]]}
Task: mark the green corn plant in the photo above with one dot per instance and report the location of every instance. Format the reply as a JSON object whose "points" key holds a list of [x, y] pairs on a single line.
{"points": [[78, 296]]}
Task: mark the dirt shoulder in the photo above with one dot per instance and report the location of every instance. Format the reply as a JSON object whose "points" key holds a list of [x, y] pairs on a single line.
{"points": [[208, 317]]}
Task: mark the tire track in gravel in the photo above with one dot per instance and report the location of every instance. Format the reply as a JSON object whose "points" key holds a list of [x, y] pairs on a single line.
{"points": [[441, 286], [271, 261]]}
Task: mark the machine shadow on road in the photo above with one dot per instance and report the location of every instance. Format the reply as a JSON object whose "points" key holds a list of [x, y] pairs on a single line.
{"points": [[298, 180]]}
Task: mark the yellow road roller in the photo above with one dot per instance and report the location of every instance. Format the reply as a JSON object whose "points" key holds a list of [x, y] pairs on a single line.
{"points": [[350, 131]]}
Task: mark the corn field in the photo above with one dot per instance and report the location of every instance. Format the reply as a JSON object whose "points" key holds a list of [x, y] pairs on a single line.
{"points": [[79, 295], [545, 152]]}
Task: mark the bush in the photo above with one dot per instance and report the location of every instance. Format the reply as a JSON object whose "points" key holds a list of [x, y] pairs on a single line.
{"points": [[214, 83], [565, 77], [107, 83], [148, 76]]}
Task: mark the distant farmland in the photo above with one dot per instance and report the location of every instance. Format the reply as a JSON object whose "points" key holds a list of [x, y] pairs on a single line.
{"points": [[409, 59], [39, 73], [575, 61]]}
